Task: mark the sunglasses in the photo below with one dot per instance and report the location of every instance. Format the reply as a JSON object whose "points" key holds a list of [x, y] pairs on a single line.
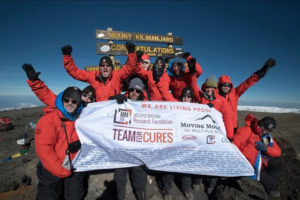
{"points": [[187, 96], [145, 62], [137, 91], [67, 100], [104, 65], [226, 85], [89, 97]]}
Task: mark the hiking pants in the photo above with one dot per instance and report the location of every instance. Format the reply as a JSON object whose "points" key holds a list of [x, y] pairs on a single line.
{"points": [[168, 178], [270, 174], [51, 187], [138, 176]]}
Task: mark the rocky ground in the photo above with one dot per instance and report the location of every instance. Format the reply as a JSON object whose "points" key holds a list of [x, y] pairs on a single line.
{"points": [[18, 175]]}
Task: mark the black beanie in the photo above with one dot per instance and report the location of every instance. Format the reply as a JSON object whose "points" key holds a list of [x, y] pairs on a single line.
{"points": [[187, 90], [268, 123], [73, 93], [106, 59], [90, 91]]}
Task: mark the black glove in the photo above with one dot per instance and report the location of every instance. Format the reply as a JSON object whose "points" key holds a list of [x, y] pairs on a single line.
{"points": [[192, 65], [67, 50], [130, 47], [139, 55], [210, 105], [119, 98], [30, 72], [261, 146], [185, 55], [268, 64]]}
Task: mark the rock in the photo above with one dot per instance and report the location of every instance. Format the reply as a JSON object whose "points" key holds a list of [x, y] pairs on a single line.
{"points": [[252, 187]]}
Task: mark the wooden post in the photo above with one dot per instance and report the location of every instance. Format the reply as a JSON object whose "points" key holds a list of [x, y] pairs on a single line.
{"points": [[110, 42]]}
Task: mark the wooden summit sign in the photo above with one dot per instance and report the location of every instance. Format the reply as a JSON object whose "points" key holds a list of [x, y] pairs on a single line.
{"points": [[140, 37], [120, 50]]}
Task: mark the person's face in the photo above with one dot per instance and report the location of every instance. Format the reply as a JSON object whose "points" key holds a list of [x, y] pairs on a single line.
{"points": [[160, 63], [176, 68], [87, 98], [105, 69], [70, 104], [226, 87], [209, 90], [134, 94], [145, 64], [187, 98]]}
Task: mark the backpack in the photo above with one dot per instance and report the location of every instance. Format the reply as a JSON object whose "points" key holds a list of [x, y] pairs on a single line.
{"points": [[5, 124]]}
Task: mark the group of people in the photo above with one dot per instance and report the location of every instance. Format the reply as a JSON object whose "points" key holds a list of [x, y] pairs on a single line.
{"points": [[57, 142]]}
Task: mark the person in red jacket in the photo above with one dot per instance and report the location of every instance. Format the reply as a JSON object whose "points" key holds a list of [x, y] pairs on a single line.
{"points": [[232, 95], [155, 80], [45, 94], [105, 81], [209, 96], [257, 144], [56, 144], [179, 77], [187, 95], [138, 175]]}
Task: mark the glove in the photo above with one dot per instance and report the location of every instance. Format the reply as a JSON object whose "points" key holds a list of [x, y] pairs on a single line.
{"points": [[30, 72], [185, 55], [139, 55], [67, 50], [192, 65], [268, 64], [119, 98], [210, 105], [130, 47], [261, 146]]}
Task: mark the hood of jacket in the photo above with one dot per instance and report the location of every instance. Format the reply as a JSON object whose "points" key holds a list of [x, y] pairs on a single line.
{"points": [[170, 70]]}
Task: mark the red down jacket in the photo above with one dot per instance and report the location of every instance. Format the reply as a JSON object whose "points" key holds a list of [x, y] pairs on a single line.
{"points": [[236, 93], [42, 92], [246, 137], [112, 86], [51, 144]]}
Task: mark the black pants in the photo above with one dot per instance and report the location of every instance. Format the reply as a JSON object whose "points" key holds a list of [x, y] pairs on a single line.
{"points": [[138, 176], [51, 187], [270, 174], [168, 178]]}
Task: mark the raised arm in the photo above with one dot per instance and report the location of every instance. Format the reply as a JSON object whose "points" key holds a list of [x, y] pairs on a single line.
{"points": [[72, 69], [255, 77], [39, 87]]}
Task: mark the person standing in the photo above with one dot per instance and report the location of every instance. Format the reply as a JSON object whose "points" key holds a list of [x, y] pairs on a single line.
{"points": [[56, 144]]}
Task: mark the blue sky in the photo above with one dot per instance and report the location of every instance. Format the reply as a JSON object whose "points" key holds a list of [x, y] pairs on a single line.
{"points": [[226, 37]]}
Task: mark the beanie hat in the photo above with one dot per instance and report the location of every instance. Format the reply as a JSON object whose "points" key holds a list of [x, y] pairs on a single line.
{"points": [[90, 91], [72, 93], [268, 123], [146, 57], [136, 83], [211, 81], [187, 91], [106, 59]]}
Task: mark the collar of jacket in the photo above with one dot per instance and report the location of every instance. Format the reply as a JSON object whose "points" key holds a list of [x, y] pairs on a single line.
{"points": [[61, 108], [210, 98]]}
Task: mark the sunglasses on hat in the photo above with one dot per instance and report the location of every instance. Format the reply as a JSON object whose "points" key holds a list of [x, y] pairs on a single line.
{"points": [[67, 100], [104, 65]]}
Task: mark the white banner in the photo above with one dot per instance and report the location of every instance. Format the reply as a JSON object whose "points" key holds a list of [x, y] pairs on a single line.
{"points": [[164, 136]]}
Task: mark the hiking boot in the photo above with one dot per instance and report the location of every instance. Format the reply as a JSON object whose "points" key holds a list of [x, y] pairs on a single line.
{"points": [[167, 197], [189, 196], [274, 193]]}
